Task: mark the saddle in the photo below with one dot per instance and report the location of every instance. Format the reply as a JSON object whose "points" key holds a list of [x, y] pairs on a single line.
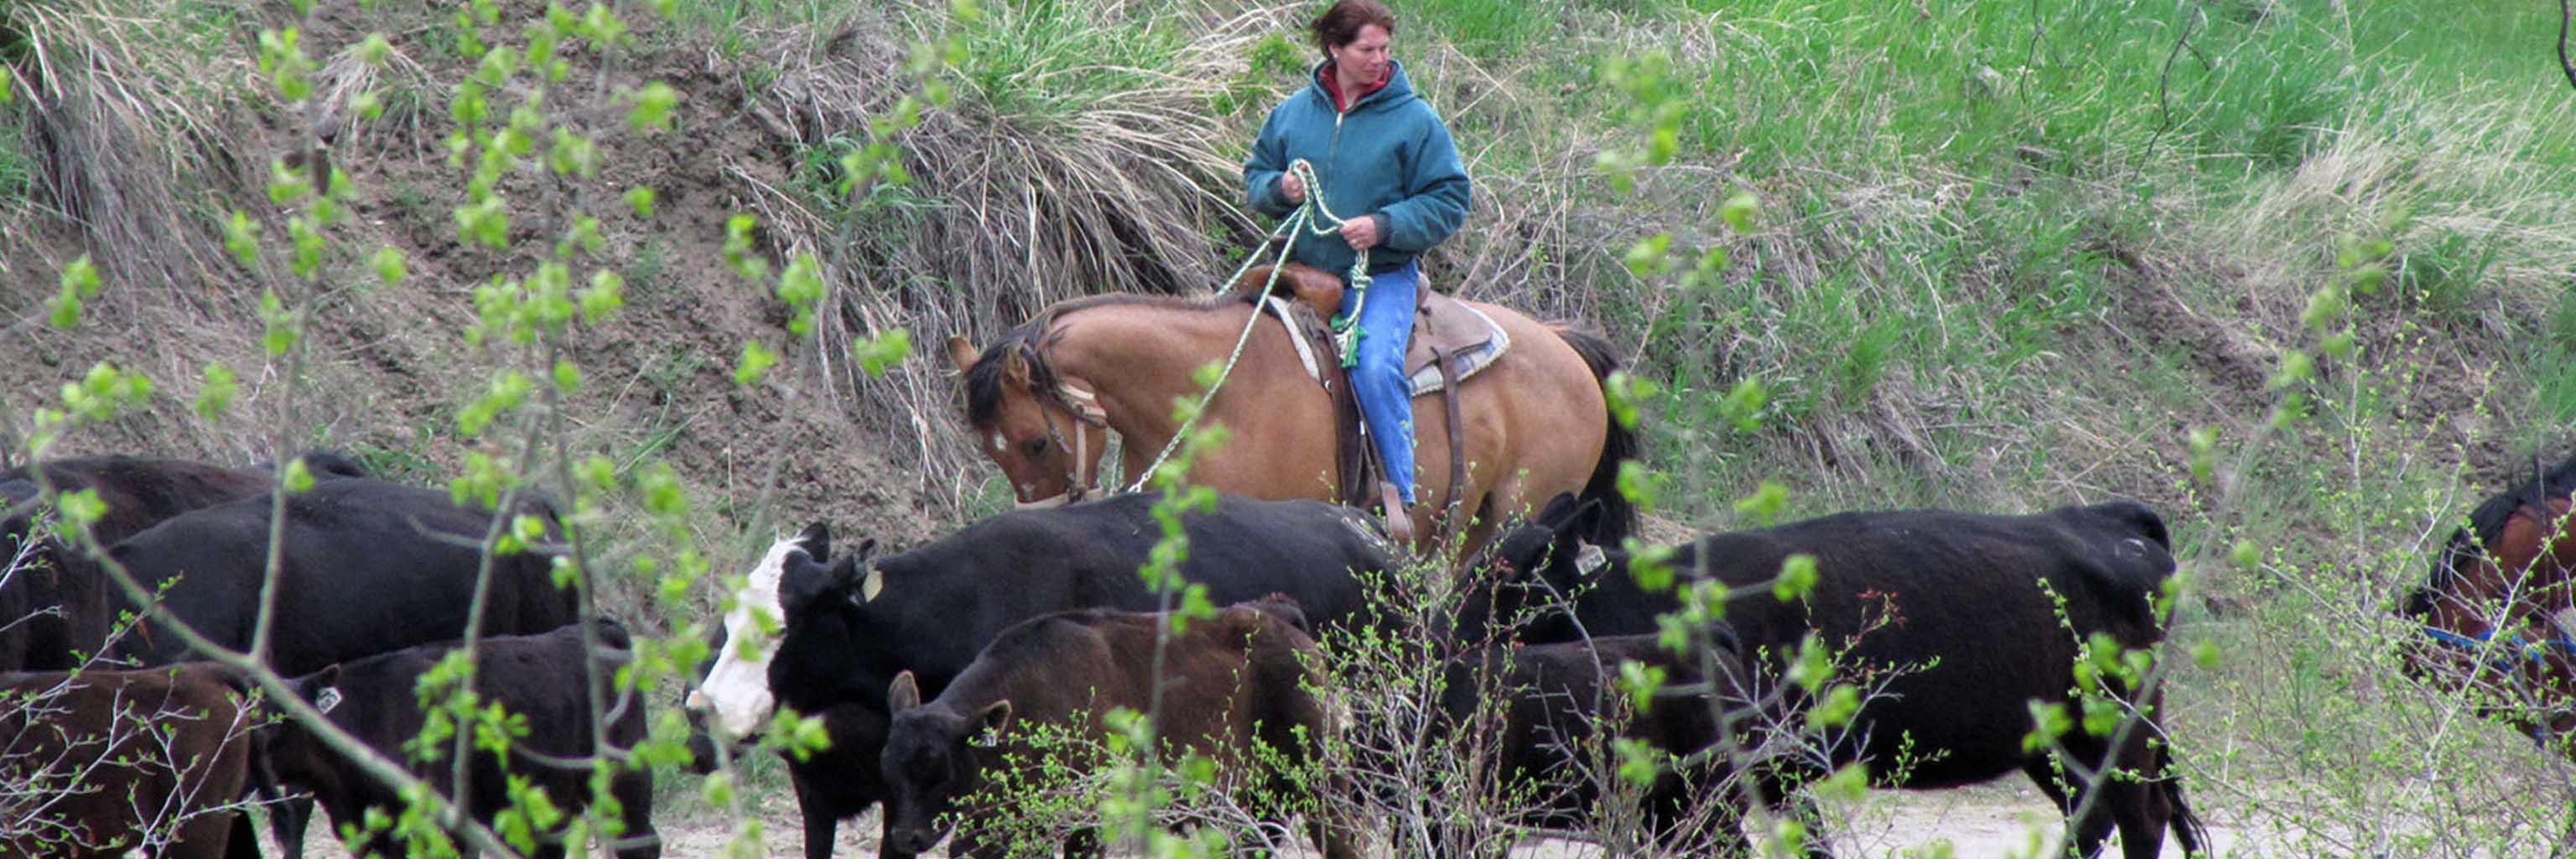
{"points": [[1451, 342]]}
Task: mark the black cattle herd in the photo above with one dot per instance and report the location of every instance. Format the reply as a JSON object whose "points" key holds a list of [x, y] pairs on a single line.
{"points": [[924, 665]]}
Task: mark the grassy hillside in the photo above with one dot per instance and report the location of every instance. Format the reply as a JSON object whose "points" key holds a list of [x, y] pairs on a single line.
{"points": [[2006, 256]]}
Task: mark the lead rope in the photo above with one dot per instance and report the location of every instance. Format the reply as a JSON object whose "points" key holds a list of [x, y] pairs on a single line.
{"points": [[1317, 219]]}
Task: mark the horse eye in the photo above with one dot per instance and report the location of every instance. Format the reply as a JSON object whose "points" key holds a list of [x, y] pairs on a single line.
{"points": [[1034, 446]]}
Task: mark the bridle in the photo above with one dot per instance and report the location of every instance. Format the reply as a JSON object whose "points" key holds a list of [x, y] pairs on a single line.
{"points": [[1087, 413]]}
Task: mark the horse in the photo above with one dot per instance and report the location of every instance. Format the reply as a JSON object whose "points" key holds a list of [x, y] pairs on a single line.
{"points": [[1535, 422], [2498, 613]]}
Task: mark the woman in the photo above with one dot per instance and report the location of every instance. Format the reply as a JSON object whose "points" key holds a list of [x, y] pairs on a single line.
{"points": [[1386, 164]]}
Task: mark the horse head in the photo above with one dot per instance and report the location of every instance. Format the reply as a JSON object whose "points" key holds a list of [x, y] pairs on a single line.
{"points": [[2496, 609], [1047, 432]]}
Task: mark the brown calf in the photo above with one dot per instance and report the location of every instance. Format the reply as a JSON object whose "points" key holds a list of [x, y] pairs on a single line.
{"points": [[1230, 684], [100, 763]]}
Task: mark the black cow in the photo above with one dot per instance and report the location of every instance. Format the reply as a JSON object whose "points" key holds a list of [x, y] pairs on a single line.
{"points": [[1956, 597], [853, 625], [539, 677], [367, 567], [1544, 737], [53, 604], [1232, 684], [115, 761]]}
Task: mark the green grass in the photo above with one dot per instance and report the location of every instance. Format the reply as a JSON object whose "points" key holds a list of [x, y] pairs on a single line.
{"points": [[17, 176]]}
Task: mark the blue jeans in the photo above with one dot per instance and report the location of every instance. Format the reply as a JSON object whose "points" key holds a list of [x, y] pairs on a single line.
{"points": [[1385, 395]]}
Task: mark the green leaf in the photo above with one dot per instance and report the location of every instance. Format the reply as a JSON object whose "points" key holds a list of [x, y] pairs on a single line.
{"points": [[241, 236], [215, 397], [389, 266], [640, 199], [567, 376], [279, 330], [375, 50], [754, 364], [298, 477], [653, 107], [880, 353], [1738, 211], [1797, 577], [1765, 504]]}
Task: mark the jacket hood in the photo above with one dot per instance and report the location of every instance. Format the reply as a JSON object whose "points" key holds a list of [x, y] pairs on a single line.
{"points": [[1397, 91]]}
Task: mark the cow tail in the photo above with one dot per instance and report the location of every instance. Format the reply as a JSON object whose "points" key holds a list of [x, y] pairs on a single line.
{"points": [[2186, 825], [1618, 443]]}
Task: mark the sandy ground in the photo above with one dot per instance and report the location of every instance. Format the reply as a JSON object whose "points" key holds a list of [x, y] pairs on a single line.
{"points": [[1986, 822]]}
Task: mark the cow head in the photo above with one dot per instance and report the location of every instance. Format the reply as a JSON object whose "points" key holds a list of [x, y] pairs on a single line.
{"points": [[826, 611], [1532, 564], [928, 762], [736, 689]]}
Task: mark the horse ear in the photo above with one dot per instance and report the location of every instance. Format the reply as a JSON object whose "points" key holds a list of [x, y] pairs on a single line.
{"points": [[1015, 367], [962, 353], [903, 694], [817, 540]]}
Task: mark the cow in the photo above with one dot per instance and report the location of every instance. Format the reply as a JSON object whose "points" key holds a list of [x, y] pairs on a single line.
{"points": [[113, 761], [1232, 685], [538, 677], [1550, 704], [366, 567], [852, 624], [54, 607], [1972, 601]]}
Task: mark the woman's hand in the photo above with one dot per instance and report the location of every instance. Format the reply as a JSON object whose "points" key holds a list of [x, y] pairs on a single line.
{"points": [[1361, 232], [1291, 190]]}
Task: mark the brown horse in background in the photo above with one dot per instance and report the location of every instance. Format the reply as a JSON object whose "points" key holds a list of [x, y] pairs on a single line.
{"points": [[2499, 612], [1038, 398]]}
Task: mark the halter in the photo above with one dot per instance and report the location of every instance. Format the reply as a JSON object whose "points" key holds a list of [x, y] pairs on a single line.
{"points": [[2533, 651], [1087, 413]]}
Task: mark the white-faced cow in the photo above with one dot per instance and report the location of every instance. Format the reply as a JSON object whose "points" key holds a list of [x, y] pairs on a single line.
{"points": [[1971, 602], [1232, 685], [539, 678], [854, 622]]}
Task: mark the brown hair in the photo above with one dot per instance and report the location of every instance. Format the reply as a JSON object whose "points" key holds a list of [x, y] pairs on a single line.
{"points": [[1340, 25]]}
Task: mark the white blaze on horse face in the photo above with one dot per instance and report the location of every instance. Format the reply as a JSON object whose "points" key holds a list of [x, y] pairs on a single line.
{"points": [[737, 689], [999, 443]]}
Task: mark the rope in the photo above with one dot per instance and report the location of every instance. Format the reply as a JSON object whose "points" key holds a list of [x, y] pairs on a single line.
{"points": [[1313, 216]]}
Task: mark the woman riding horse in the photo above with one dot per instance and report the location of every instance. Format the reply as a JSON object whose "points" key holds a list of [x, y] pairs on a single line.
{"points": [[1379, 150]]}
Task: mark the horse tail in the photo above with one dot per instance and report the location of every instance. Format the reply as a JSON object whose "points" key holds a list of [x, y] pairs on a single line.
{"points": [[1618, 443]]}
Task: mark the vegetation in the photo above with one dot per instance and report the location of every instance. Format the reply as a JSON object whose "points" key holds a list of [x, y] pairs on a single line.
{"points": [[2004, 256]]}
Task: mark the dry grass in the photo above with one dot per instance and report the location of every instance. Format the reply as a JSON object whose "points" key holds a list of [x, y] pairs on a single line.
{"points": [[122, 121]]}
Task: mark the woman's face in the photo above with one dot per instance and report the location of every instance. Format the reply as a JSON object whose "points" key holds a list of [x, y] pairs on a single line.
{"points": [[1365, 58]]}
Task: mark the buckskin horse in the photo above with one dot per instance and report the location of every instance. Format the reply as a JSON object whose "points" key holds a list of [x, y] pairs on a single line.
{"points": [[2499, 605], [1532, 414]]}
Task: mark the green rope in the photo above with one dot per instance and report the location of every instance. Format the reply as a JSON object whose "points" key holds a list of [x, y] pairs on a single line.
{"points": [[1313, 217]]}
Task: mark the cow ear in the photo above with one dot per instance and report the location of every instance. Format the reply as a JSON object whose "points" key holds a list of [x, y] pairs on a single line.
{"points": [[321, 689], [1558, 509], [1585, 520], [903, 694], [993, 719], [961, 353], [817, 540], [867, 550]]}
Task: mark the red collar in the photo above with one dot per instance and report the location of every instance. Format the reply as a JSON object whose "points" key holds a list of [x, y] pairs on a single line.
{"points": [[1333, 86]]}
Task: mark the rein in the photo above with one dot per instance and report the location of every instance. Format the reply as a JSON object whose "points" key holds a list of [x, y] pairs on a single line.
{"points": [[1316, 219], [2534, 651]]}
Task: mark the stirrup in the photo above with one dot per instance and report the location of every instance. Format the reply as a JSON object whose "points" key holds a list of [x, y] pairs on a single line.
{"points": [[1399, 526]]}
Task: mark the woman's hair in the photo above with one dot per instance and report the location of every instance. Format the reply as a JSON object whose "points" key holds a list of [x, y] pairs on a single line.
{"points": [[1340, 25]]}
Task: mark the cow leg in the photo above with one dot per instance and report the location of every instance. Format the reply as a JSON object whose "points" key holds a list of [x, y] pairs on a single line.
{"points": [[1779, 787], [2095, 828], [244, 843], [634, 792], [820, 827], [1082, 843], [289, 817]]}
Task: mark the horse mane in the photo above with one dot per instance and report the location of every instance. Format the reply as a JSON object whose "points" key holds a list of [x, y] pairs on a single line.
{"points": [[2486, 523], [1030, 340]]}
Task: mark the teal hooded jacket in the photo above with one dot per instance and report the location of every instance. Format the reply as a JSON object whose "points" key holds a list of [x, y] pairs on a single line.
{"points": [[1389, 156]]}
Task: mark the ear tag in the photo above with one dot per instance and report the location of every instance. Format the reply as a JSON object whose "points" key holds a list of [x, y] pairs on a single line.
{"points": [[1590, 559], [871, 586], [328, 700]]}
